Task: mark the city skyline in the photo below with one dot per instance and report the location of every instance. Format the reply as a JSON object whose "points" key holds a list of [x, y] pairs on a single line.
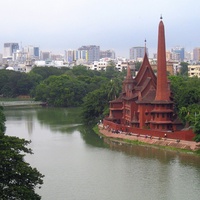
{"points": [[110, 24]]}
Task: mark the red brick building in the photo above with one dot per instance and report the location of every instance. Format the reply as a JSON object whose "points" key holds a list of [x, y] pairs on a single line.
{"points": [[146, 102]]}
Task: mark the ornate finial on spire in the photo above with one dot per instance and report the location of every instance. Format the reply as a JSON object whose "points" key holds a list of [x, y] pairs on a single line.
{"points": [[145, 44], [161, 17], [128, 76]]}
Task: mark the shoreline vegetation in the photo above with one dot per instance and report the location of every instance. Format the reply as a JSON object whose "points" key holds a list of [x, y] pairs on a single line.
{"points": [[161, 143], [93, 90]]}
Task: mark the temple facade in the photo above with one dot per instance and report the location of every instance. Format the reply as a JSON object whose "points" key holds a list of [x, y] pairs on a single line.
{"points": [[146, 101]]}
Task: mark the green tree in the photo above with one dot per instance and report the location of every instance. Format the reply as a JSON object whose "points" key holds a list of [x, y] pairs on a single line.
{"points": [[113, 88], [2, 121], [4, 74], [110, 72], [61, 90], [45, 72], [196, 127], [186, 92], [188, 114], [18, 179], [111, 63], [14, 83], [184, 68], [81, 70], [94, 105]]}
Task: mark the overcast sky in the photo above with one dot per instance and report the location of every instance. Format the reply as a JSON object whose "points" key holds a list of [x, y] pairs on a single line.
{"points": [[58, 25]]}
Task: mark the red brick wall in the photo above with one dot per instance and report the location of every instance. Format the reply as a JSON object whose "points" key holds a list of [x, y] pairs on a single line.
{"points": [[181, 135]]}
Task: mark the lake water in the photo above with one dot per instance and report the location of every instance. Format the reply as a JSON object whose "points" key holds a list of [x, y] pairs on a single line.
{"points": [[80, 165]]}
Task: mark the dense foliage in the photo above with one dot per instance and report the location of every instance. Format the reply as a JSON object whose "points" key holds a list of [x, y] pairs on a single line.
{"points": [[70, 88], [96, 103], [61, 91], [13, 84], [186, 92], [45, 72], [184, 68], [18, 179], [94, 89]]}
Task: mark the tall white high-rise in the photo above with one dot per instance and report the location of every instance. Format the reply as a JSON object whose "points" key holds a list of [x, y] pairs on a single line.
{"points": [[69, 56], [9, 49], [137, 53], [196, 54], [93, 52], [32, 52]]}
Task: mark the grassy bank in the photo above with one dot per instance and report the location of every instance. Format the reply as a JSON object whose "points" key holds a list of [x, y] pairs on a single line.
{"points": [[96, 130], [137, 142]]}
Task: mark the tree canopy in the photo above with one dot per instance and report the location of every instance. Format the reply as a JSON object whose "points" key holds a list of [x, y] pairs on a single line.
{"points": [[96, 103], [45, 72], [184, 68], [79, 86], [186, 92], [18, 179], [61, 91], [13, 84]]}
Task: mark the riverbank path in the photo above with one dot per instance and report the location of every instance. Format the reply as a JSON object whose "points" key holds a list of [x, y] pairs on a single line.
{"points": [[180, 144]]}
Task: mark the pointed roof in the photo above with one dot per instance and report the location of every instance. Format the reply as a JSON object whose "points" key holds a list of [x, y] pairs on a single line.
{"points": [[145, 71], [145, 81], [129, 76], [162, 92], [129, 79]]}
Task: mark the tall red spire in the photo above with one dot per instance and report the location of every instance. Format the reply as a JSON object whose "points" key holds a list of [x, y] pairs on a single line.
{"points": [[129, 75], [162, 91]]}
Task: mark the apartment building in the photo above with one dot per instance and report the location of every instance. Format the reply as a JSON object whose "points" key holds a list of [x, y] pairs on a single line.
{"points": [[137, 53], [178, 53], [9, 49], [194, 70], [45, 55], [93, 52], [107, 54], [196, 54]]}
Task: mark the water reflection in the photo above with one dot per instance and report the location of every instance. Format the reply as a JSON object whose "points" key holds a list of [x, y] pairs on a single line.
{"points": [[68, 120], [91, 138], [57, 119], [60, 119], [22, 114], [149, 152], [78, 164]]}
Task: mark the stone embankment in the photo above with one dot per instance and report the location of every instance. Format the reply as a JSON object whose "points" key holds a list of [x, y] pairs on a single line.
{"points": [[179, 144], [21, 103]]}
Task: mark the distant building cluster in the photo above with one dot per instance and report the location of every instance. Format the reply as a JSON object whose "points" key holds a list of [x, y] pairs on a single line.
{"points": [[21, 58], [137, 53], [88, 55]]}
